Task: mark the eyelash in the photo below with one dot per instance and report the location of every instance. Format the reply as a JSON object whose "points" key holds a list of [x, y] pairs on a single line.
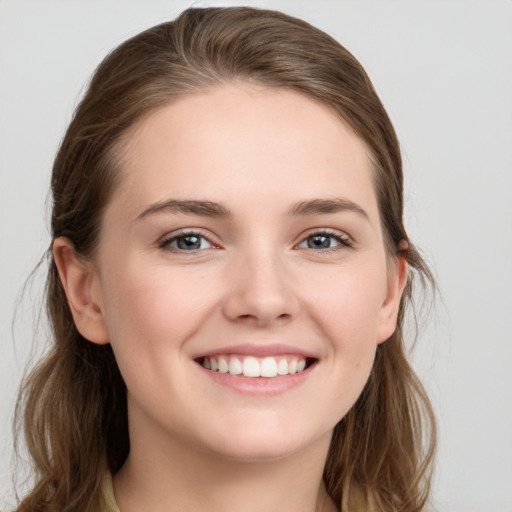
{"points": [[343, 240], [166, 243]]}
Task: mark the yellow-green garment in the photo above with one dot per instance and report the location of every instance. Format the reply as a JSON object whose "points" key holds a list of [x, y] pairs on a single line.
{"points": [[358, 503], [109, 504]]}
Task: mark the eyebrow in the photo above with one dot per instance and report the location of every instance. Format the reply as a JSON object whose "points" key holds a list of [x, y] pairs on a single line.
{"points": [[316, 206], [202, 208], [213, 209]]}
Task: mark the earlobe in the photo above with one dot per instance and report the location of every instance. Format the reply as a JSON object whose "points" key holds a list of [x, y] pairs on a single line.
{"points": [[80, 282], [397, 280]]}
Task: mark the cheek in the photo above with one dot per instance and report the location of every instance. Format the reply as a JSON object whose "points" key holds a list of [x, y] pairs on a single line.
{"points": [[346, 303], [347, 312], [150, 316], [154, 308]]}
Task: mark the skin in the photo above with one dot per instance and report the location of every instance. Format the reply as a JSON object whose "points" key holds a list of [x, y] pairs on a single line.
{"points": [[195, 444]]}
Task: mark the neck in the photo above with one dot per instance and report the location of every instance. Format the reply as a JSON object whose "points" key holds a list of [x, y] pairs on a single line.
{"points": [[171, 476]]}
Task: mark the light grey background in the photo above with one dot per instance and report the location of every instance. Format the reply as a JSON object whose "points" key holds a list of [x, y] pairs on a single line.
{"points": [[444, 71]]}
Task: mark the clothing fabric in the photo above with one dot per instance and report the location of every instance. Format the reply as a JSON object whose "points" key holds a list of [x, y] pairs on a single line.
{"points": [[109, 500]]}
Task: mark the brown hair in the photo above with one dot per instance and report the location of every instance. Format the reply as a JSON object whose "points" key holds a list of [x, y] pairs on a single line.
{"points": [[74, 401]]}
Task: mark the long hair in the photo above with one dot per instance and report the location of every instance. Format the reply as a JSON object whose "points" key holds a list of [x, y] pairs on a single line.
{"points": [[73, 403]]}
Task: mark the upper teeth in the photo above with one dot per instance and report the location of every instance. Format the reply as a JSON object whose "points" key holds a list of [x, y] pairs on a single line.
{"points": [[251, 366]]}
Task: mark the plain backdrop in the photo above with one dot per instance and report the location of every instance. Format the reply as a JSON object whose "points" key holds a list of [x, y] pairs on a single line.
{"points": [[444, 71]]}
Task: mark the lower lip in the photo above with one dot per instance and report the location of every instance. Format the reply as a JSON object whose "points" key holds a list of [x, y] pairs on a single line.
{"points": [[262, 386]]}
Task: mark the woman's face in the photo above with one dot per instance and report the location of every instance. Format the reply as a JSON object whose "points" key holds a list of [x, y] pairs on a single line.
{"points": [[244, 234]]}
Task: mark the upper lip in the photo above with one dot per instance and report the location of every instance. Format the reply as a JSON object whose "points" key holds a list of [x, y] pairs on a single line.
{"points": [[258, 350]]}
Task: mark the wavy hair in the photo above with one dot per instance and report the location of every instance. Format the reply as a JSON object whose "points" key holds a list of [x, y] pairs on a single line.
{"points": [[72, 406]]}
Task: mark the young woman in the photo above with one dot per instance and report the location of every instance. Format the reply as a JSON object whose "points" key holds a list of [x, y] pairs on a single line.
{"points": [[228, 279]]}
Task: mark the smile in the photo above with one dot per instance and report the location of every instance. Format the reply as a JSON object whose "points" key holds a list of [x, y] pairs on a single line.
{"points": [[251, 366]]}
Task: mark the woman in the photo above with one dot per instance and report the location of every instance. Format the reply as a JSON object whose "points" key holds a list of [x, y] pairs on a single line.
{"points": [[228, 279]]}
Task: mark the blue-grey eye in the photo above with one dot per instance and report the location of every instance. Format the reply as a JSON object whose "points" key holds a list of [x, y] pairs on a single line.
{"points": [[322, 241], [187, 242]]}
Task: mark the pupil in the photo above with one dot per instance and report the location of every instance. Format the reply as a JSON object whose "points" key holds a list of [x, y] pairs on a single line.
{"points": [[319, 241], [189, 242]]}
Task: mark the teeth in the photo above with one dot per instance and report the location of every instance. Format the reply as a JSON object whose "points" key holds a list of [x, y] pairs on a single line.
{"points": [[235, 366], [223, 365], [251, 366], [282, 367], [268, 367]]}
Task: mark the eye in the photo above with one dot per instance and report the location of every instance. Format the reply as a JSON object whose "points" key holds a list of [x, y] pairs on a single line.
{"points": [[186, 242], [325, 240]]}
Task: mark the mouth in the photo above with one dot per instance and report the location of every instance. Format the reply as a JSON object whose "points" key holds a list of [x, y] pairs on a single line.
{"points": [[251, 366]]}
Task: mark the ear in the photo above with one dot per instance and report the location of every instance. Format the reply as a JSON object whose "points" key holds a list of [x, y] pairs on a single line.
{"points": [[397, 279], [82, 287]]}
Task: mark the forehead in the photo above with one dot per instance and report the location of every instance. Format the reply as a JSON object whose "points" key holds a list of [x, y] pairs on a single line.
{"points": [[243, 140]]}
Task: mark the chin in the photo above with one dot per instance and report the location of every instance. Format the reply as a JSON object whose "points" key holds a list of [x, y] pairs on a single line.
{"points": [[264, 451], [260, 444]]}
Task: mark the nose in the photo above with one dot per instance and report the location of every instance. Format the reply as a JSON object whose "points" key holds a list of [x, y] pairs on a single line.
{"points": [[260, 291]]}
